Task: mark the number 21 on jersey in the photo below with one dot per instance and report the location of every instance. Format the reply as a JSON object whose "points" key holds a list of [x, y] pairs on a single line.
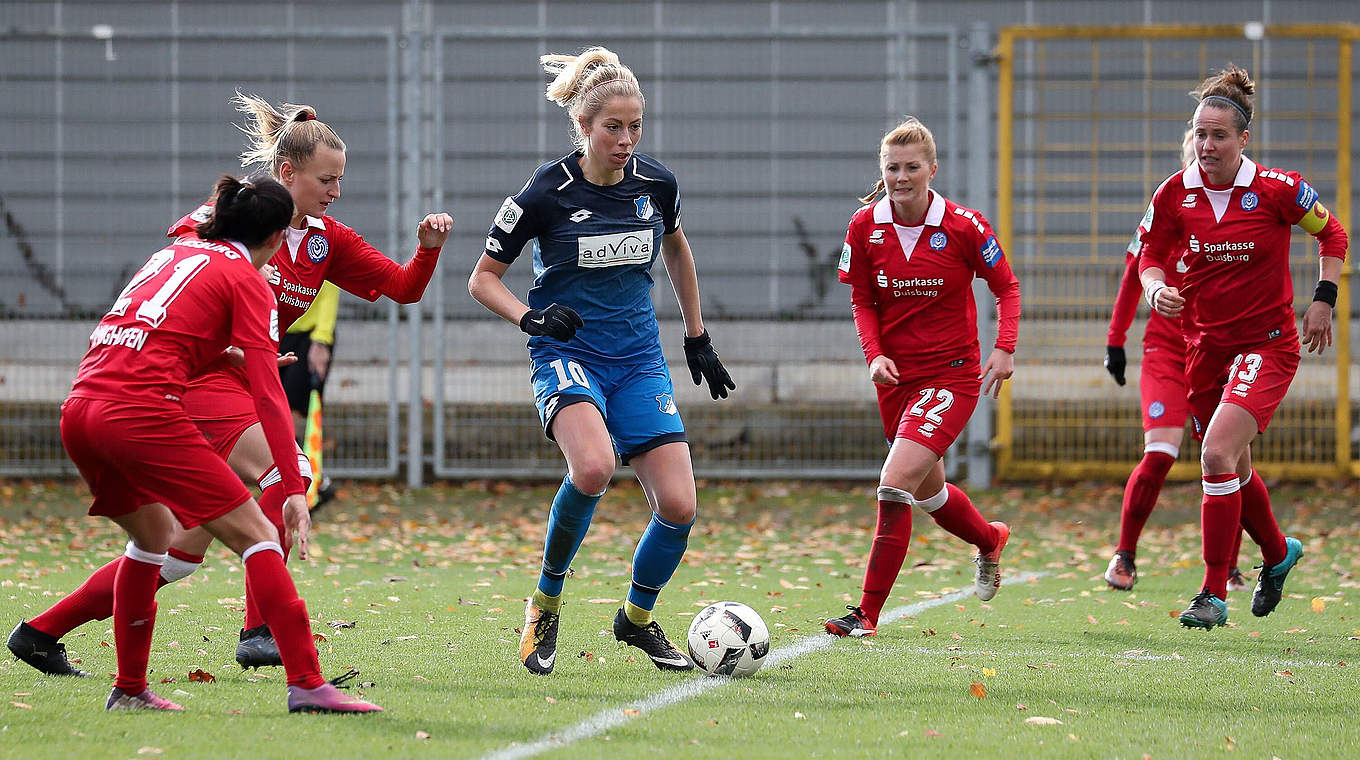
{"points": [[152, 310]]}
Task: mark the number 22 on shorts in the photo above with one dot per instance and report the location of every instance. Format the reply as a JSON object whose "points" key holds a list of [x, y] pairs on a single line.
{"points": [[1241, 381], [943, 398]]}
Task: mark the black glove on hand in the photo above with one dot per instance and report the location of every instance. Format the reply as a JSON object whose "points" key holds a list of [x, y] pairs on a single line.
{"points": [[704, 364], [557, 322], [1115, 362]]}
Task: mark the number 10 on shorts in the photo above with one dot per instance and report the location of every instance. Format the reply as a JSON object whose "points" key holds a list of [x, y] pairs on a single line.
{"points": [[568, 374]]}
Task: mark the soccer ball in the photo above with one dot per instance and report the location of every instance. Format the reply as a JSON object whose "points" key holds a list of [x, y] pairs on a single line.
{"points": [[728, 639]]}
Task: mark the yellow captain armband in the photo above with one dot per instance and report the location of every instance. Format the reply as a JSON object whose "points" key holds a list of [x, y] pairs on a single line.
{"points": [[1315, 218]]}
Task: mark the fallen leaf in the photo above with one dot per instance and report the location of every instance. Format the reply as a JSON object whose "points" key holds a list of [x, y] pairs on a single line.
{"points": [[23, 693], [150, 751], [1021, 707], [338, 624], [1040, 720], [422, 735], [1091, 619], [799, 716], [550, 700], [932, 733], [631, 712], [1319, 604], [22, 706], [202, 676], [319, 637], [603, 601], [1284, 673], [168, 680], [988, 672], [978, 689]]}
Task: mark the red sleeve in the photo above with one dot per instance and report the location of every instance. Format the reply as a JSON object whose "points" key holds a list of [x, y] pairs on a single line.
{"points": [[255, 330], [865, 311], [990, 262], [262, 374], [407, 283], [1332, 240], [359, 268], [1161, 232], [1125, 304]]}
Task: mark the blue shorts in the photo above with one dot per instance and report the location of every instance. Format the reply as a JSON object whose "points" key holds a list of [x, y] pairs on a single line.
{"points": [[637, 401]]}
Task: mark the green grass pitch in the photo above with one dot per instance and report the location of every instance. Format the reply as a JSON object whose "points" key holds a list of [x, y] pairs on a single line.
{"points": [[423, 591]]}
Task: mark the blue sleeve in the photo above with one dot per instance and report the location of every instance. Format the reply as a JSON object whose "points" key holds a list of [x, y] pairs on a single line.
{"points": [[516, 223]]}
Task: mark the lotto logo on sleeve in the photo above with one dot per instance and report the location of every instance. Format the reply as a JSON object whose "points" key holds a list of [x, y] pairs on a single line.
{"points": [[991, 251], [1307, 196], [845, 258], [508, 215]]}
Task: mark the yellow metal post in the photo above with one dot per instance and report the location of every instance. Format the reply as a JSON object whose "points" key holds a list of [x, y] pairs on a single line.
{"points": [[1343, 212], [1005, 113]]}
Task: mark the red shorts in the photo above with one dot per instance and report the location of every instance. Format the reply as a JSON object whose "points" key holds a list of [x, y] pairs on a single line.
{"points": [[222, 408], [1161, 385], [1260, 377], [929, 411], [136, 454]]}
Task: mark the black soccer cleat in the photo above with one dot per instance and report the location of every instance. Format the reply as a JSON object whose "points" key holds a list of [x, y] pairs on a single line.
{"points": [[538, 642], [258, 649], [1205, 611], [1270, 584], [652, 641], [44, 652], [855, 623]]}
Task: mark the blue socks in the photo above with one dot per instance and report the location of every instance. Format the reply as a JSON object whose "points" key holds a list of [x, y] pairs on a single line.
{"points": [[658, 555], [567, 526]]}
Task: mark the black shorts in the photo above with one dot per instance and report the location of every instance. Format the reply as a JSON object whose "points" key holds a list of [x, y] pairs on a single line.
{"points": [[296, 377]]}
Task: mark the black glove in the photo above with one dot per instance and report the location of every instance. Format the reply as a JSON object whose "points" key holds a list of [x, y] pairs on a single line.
{"points": [[704, 364], [557, 322], [1115, 362]]}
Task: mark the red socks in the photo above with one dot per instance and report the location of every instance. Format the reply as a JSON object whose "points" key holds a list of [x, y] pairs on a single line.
{"points": [[92, 601], [957, 515], [134, 616], [888, 551], [271, 502], [1140, 496], [1220, 516], [285, 614], [1259, 520]]}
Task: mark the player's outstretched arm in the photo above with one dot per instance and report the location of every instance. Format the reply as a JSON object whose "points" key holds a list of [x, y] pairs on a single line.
{"points": [[1317, 320], [556, 321], [703, 361]]}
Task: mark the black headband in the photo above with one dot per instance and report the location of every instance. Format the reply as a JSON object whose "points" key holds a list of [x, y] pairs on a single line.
{"points": [[1229, 101]]}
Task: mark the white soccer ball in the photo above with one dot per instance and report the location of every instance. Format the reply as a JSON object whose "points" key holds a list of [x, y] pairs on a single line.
{"points": [[728, 639]]}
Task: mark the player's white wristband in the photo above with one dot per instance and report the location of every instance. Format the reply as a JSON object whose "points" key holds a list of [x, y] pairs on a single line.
{"points": [[1155, 287]]}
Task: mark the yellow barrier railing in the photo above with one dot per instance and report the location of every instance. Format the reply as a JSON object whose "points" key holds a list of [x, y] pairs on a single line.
{"points": [[1089, 122]]}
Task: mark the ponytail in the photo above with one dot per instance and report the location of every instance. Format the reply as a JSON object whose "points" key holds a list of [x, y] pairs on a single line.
{"points": [[584, 83], [248, 211], [291, 134]]}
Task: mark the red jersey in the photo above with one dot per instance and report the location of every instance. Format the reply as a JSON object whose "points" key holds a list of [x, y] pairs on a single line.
{"points": [[911, 287], [1237, 286], [1160, 331], [181, 310], [327, 250]]}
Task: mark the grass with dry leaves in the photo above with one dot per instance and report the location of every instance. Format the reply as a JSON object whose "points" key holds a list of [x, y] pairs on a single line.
{"points": [[423, 591]]}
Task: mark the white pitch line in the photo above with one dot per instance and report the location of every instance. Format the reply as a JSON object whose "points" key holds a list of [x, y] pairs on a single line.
{"points": [[615, 716]]}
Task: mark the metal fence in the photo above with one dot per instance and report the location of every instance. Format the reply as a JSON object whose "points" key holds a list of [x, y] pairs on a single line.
{"points": [[1091, 121]]}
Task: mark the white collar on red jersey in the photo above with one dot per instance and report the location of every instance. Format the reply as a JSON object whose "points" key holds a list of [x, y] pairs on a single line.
{"points": [[934, 214], [1245, 174], [240, 247], [312, 221]]}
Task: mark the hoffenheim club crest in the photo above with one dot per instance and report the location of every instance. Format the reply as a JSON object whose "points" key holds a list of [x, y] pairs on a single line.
{"points": [[318, 248], [1250, 201], [644, 206]]}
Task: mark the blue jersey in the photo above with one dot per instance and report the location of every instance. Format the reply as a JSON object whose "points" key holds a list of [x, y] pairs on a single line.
{"points": [[593, 249]]}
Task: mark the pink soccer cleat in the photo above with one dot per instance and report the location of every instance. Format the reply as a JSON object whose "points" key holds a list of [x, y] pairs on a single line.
{"points": [[326, 698], [147, 700]]}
